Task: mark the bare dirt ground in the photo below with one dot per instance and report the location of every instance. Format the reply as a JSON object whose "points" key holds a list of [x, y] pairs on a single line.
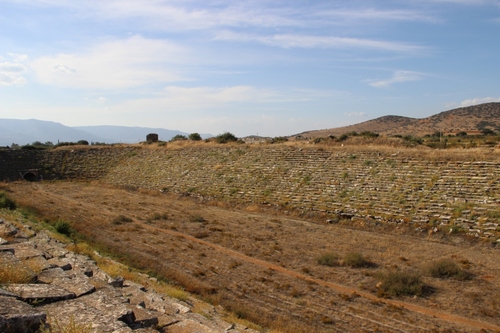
{"points": [[264, 266]]}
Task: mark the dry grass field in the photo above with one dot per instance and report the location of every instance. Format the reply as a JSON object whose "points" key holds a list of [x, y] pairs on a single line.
{"points": [[284, 273]]}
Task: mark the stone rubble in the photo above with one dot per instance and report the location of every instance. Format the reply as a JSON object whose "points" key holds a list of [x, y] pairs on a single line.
{"points": [[70, 288]]}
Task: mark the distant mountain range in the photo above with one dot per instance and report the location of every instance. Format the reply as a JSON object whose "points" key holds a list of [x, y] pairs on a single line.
{"points": [[28, 131], [471, 119]]}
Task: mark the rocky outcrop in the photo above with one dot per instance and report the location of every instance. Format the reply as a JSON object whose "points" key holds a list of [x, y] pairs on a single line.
{"points": [[55, 288]]}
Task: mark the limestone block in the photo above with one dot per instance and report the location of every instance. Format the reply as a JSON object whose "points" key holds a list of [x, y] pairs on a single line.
{"points": [[190, 325], [116, 282], [23, 250], [57, 262], [77, 283], [17, 316], [7, 229], [82, 314], [143, 317], [110, 301], [40, 293], [38, 263], [49, 275], [6, 293]]}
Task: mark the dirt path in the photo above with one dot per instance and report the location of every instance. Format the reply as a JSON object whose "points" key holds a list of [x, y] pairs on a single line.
{"points": [[457, 320]]}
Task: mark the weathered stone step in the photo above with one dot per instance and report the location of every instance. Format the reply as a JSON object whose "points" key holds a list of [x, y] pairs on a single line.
{"points": [[40, 293]]}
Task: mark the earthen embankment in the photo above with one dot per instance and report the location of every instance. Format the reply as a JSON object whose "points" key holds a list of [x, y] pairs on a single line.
{"points": [[432, 190]]}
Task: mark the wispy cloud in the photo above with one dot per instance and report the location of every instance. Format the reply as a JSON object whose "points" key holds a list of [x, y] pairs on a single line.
{"points": [[355, 114], [178, 98], [13, 72], [311, 41], [181, 15], [466, 2], [475, 101], [397, 77], [372, 14], [113, 64]]}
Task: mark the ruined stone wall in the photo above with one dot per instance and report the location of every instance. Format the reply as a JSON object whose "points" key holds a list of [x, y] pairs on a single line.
{"points": [[83, 163], [347, 183], [459, 193]]}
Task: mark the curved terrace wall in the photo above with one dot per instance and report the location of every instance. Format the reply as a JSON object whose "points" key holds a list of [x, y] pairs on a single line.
{"points": [[349, 182]]}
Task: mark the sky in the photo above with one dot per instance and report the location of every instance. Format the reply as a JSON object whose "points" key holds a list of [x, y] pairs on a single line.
{"points": [[253, 67]]}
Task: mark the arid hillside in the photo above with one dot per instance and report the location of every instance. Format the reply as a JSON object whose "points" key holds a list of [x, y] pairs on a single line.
{"points": [[471, 119]]}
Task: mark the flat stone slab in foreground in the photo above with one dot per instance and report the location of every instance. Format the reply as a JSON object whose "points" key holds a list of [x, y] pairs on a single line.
{"points": [[17, 316], [104, 309], [40, 293]]}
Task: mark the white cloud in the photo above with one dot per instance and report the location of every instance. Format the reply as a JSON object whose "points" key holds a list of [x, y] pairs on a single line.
{"points": [[475, 101], [113, 64], [309, 41], [12, 72], [397, 77], [355, 114], [363, 15]]}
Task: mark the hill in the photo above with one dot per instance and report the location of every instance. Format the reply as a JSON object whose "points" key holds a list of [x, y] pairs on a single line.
{"points": [[471, 119]]}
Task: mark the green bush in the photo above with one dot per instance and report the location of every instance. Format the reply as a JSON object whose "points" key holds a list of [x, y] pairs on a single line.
{"points": [[398, 283], [64, 228], [178, 137], [226, 137], [6, 202], [356, 260], [194, 137], [446, 269], [329, 259]]}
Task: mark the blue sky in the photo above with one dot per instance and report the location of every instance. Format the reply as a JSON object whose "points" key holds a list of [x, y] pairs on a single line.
{"points": [[249, 67]]}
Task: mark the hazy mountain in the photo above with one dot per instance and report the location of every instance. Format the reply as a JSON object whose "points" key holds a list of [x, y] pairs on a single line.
{"points": [[28, 131], [119, 134]]}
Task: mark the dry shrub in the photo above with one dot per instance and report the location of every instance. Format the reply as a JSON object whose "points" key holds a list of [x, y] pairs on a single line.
{"points": [[16, 272], [70, 327], [447, 269], [399, 283], [121, 219], [356, 260], [329, 259]]}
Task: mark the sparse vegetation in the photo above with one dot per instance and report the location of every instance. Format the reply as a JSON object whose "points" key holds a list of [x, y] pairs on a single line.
{"points": [[63, 227], [447, 269], [400, 283], [178, 137], [16, 272], [329, 259], [356, 260], [197, 218], [71, 327], [6, 202], [121, 219]]}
